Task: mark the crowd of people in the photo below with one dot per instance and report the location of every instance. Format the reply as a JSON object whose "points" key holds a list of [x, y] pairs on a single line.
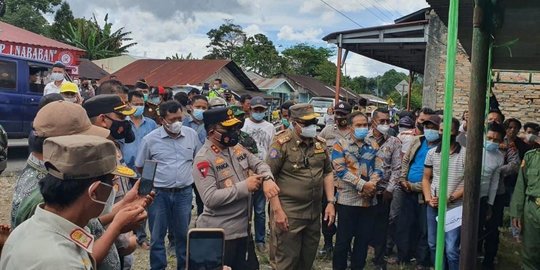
{"points": [[367, 179]]}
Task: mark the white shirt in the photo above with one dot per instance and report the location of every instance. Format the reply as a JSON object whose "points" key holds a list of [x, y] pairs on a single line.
{"points": [[52, 88], [263, 133], [491, 171]]}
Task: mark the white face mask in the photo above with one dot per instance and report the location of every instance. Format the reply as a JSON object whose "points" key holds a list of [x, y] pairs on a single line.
{"points": [[72, 100], [174, 128], [383, 129], [108, 205], [57, 76], [309, 131]]}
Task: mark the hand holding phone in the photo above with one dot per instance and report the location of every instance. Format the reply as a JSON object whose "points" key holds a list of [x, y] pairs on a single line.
{"points": [[205, 249]]}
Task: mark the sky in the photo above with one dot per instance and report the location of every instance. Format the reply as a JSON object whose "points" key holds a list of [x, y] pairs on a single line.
{"points": [[165, 27]]}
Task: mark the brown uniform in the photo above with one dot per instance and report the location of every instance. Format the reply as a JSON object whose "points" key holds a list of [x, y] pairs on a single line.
{"points": [[299, 167]]}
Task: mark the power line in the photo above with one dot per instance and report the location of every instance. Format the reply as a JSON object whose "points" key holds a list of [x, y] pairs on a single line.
{"points": [[390, 10], [343, 14], [381, 12]]}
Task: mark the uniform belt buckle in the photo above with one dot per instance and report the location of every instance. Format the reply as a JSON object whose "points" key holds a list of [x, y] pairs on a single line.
{"points": [[537, 201]]}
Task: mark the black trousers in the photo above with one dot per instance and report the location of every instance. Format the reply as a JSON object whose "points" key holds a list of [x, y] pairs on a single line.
{"points": [[411, 229], [354, 222], [328, 232], [198, 201], [378, 241], [488, 230], [235, 253]]}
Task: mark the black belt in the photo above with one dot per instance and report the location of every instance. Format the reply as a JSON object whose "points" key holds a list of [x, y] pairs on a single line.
{"points": [[172, 189]]}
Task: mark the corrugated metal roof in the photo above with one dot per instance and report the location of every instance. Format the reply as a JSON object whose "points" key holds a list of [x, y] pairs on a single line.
{"points": [[318, 88], [271, 83], [89, 70], [15, 34], [168, 73]]}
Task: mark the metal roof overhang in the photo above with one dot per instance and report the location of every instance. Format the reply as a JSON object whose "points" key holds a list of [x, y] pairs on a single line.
{"points": [[519, 30], [401, 44]]}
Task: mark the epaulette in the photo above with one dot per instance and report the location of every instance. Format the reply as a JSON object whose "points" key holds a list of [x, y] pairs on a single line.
{"points": [[321, 139], [283, 137]]}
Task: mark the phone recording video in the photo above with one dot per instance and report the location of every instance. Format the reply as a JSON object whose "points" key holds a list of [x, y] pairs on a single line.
{"points": [[205, 249], [147, 179]]}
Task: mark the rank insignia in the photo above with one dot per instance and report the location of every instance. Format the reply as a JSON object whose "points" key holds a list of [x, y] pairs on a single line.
{"points": [[203, 168], [318, 146], [215, 149], [81, 238], [219, 161]]}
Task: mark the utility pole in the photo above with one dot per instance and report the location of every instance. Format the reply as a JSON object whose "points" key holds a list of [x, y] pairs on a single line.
{"points": [[338, 68], [475, 134]]}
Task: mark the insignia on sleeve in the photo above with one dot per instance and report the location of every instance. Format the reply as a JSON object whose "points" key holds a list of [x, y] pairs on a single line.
{"points": [[274, 153], [228, 183], [203, 168]]}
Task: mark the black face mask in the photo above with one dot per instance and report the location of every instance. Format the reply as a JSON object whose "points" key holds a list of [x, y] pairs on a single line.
{"points": [[342, 121], [229, 138], [125, 130], [420, 127]]}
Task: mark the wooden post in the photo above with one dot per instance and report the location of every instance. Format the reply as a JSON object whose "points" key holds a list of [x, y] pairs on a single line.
{"points": [[338, 74], [475, 136], [411, 78]]}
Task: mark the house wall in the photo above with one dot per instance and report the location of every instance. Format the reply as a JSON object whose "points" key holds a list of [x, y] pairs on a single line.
{"points": [[228, 78], [521, 101]]}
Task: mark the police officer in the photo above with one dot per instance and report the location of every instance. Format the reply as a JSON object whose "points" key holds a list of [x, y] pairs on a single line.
{"points": [[332, 134], [221, 174], [77, 188], [525, 208], [302, 168]]}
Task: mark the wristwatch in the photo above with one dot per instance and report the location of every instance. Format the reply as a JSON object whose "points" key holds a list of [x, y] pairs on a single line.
{"points": [[451, 198], [332, 201]]}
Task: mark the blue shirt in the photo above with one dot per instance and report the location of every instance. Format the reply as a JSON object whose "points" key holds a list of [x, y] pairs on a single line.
{"points": [[174, 156], [129, 150], [416, 170], [201, 132]]}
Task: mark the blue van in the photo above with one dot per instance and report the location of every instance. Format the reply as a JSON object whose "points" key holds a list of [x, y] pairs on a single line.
{"points": [[22, 82]]}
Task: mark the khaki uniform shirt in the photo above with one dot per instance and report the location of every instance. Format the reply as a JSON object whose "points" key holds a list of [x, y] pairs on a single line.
{"points": [[299, 167], [220, 179], [332, 134], [48, 241], [527, 186]]}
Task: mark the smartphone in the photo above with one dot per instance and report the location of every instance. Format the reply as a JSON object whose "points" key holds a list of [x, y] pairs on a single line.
{"points": [[205, 249], [147, 179]]}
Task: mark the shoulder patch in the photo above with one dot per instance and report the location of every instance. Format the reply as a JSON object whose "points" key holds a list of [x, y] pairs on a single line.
{"points": [[81, 238], [215, 149], [321, 139], [283, 140], [274, 153], [203, 168]]}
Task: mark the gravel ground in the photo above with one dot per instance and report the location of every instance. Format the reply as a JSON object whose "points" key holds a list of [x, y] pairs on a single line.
{"points": [[509, 254]]}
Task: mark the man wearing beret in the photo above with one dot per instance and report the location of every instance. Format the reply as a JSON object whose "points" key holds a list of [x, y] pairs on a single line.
{"points": [[303, 169], [221, 174], [77, 188]]}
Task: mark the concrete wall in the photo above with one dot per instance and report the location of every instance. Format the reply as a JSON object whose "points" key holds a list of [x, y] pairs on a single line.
{"points": [[521, 101]]}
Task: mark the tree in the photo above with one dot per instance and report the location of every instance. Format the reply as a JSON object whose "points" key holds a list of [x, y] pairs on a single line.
{"points": [[98, 42], [28, 14], [303, 59], [226, 41], [180, 57], [62, 19], [326, 72], [258, 54]]}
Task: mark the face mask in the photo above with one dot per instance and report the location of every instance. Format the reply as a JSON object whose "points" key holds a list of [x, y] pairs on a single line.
{"points": [[145, 97], [491, 146], [342, 121], [155, 100], [309, 131], [119, 129], [285, 122], [57, 76], [403, 129], [215, 87], [76, 82], [139, 111], [229, 138], [431, 135], [174, 128], [258, 116], [383, 129], [420, 127], [360, 133], [108, 205], [72, 100], [198, 114]]}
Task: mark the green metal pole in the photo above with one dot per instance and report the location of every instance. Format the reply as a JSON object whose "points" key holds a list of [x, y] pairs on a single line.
{"points": [[447, 122]]}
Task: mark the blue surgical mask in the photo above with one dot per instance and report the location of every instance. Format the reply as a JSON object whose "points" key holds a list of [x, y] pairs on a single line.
{"points": [[491, 146], [431, 135], [145, 97], [360, 133], [139, 110], [285, 122], [198, 114], [155, 100], [258, 116]]}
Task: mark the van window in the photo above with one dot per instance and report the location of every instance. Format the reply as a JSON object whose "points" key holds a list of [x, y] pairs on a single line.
{"points": [[8, 76], [38, 77]]}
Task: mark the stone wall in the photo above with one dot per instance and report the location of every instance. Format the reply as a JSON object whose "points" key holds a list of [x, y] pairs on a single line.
{"points": [[521, 101]]}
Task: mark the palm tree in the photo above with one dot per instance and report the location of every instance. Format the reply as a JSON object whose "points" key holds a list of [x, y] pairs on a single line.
{"points": [[98, 42]]}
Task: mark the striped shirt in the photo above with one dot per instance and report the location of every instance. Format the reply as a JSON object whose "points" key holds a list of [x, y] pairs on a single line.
{"points": [[456, 168], [355, 164]]}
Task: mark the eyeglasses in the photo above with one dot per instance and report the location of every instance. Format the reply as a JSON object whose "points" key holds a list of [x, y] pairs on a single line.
{"points": [[384, 121]]}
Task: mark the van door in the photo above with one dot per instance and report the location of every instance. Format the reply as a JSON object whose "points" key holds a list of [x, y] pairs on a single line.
{"points": [[11, 98], [37, 75]]}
